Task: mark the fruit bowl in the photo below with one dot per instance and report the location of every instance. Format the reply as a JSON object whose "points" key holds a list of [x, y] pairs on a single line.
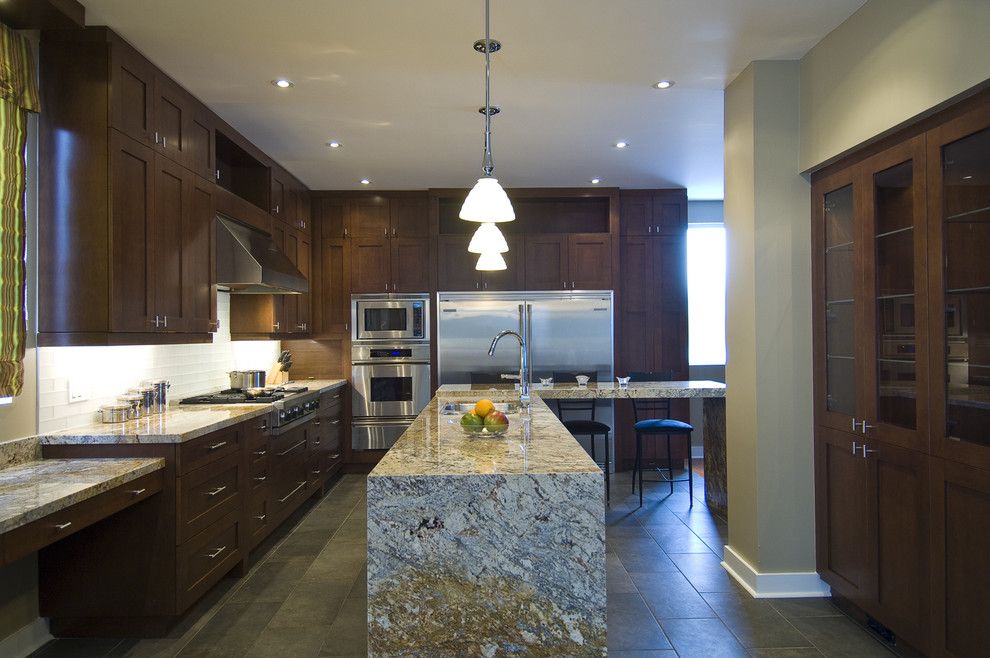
{"points": [[483, 420], [484, 431]]}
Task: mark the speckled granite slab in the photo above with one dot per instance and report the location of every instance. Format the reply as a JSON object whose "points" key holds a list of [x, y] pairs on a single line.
{"points": [[486, 546], [19, 451], [179, 424], [31, 490], [603, 391]]}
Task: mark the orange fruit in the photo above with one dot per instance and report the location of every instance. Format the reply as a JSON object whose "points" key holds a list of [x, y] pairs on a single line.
{"points": [[483, 407]]}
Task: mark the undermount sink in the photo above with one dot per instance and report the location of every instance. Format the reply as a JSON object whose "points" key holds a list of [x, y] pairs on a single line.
{"points": [[460, 408]]}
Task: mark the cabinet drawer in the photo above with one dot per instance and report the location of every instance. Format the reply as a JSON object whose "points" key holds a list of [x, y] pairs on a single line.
{"points": [[207, 494], [58, 525], [289, 486], [209, 448], [258, 476], [256, 431], [288, 445], [258, 522], [206, 558], [332, 402]]}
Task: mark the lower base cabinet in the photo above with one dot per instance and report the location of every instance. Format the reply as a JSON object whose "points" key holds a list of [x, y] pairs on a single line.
{"points": [[136, 572]]}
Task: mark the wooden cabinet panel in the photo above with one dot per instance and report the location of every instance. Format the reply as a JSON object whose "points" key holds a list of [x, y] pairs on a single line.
{"points": [[207, 558], [844, 558], [132, 92], [199, 142], [636, 290], [132, 167], [410, 217], [278, 196], [304, 315], [335, 297], [635, 213], [546, 262], [410, 264], [304, 210], [368, 218], [669, 261], [198, 259], [173, 112], [207, 494], [589, 261], [514, 276], [172, 201], [280, 312], [960, 545], [370, 264], [669, 212], [329, 212], [455, 265], [290, 303]]}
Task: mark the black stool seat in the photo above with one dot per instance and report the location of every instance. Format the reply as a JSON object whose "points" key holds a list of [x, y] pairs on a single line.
{"points": [[662, 426], [586, 427]]}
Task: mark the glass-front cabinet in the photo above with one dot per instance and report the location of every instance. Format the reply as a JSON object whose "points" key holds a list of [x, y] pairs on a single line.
{"points": [[959, 229]]}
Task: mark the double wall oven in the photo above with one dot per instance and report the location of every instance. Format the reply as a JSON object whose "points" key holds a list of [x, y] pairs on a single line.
{"points": [[390, 366]]}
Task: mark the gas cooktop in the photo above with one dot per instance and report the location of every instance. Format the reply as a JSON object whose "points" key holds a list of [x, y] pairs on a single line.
{"points": [[238, 396]]}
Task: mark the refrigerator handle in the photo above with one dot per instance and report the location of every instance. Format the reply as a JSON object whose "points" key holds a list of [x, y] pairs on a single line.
{"points": [[529, 339]]}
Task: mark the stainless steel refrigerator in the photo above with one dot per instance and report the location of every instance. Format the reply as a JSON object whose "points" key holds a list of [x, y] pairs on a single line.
{"points": [[569, 332]]}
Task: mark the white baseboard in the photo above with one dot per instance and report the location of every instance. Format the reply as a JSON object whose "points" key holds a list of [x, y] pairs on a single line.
{"points": [[773, 585], [26, 640]]}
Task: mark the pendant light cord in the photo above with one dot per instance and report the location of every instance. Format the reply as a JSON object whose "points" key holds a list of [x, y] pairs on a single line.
{"points": [[488, 165]]}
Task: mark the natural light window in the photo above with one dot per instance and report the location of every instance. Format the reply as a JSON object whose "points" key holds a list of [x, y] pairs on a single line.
{"points": [[4, 401], [706, 294]]}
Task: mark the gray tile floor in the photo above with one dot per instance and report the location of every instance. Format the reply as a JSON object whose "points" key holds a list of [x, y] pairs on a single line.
{"points": [[667, 593]]}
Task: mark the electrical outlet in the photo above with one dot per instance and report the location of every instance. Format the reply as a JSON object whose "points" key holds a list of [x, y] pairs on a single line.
{"points": [[77, 391]]}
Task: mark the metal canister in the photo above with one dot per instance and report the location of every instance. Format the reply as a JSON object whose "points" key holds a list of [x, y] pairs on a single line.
{"points": [[115, 413], [136, 403], [147, 394], [160, 388]]}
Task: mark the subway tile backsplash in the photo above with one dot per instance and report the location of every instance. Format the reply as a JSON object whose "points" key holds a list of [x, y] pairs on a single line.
{"points": [[100, 374]]}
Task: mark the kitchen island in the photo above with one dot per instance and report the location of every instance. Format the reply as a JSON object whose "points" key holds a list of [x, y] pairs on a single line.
{"points": [[485, 546]]}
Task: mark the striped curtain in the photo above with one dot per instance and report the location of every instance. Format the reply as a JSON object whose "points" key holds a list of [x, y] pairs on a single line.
{"points": [[18, 96]]}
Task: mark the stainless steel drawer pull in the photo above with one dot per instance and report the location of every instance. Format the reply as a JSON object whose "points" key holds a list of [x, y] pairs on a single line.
{"points": [[261, 478], [215, 553], [856, 447], [216, 491], [262, 517], [335, 422], [215, 446], [263, 426], [63, 526], [317, 441], [138, 492], [316, 472], [316, 423], [292, 493], [261, 453], [335, 456], [285, 452]]}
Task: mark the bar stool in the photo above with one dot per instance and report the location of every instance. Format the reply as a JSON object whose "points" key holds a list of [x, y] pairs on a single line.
{"points": [[652, 418], [584, 426]]}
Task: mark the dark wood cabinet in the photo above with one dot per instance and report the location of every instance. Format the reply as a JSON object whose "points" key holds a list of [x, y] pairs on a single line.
{"points": [[370, 271], [589, 261], [332, 291], [172, 204], [173, 110], [456, 265], [132, 90], [304, 258], [368, 218], [410, 264], [652, 212], [546, 262], [409, 217], [199, 288], [278, 196], [513, 277], [200, 145]]}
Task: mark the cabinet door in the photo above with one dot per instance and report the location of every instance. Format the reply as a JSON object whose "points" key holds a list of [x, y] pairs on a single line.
{"points": [[636, 292], [669, 265], [410, 217], [368, 218], [370, 264], [895, 337], [132, 92], [669, 212], [513, 277], [837, 300], [329, 212], [456, 265], [290, 303], [335, 289], [546, 262], [635, 213], [172, 199], [279, 307], [173, 112], [899, 499], [132, 198], [198, 260], [959, 280], [960, 546], [278, 196], [200, 146], [842, 515], [304, 321], [589, 261], [410, 264], [304, 210]]}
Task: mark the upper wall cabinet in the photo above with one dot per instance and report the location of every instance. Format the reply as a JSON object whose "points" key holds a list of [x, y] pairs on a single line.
{"points": [[652, 212]]}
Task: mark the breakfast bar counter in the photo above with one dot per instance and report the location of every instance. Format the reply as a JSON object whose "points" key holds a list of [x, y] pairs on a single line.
{"points": [[483, 545]]}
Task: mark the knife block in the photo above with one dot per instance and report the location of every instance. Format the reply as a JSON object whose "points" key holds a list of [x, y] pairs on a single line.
{"points": [[275, 376]]}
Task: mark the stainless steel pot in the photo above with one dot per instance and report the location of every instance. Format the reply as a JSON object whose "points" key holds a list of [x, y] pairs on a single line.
{"points": [[245, 379]]}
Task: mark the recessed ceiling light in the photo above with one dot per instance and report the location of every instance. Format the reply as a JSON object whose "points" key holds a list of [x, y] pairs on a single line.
{"points": [[664, 84], [621, 145], [365, 181], [283, 83], [596, 181], [334, 144]]}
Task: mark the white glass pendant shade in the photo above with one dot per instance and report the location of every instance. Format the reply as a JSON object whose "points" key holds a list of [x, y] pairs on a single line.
{"points": [[490, 261], [488, 238], [487, 202]]}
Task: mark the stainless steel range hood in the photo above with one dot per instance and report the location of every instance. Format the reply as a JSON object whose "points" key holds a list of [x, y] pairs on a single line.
{"points": [[249, 262]]}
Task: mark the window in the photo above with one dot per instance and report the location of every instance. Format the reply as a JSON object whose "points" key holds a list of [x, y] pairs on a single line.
{"points": [[706, 294]]}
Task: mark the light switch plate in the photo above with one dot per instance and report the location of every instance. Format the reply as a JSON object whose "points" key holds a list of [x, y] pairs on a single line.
{"points": [[77, 391]]}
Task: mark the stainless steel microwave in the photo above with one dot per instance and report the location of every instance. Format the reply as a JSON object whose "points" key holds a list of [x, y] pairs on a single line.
{"points": [[390, 317]]}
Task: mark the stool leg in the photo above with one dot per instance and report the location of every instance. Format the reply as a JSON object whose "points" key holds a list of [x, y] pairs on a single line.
{"points": [[639, 460], [592, 438], [635, 464], [608, 477], [670, 465], [690, 472]]}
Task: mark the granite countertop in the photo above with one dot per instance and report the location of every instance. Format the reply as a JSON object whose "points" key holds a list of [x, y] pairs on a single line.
{"points": [[604, 391], [435, 445], [31, 490], [179, 424]]}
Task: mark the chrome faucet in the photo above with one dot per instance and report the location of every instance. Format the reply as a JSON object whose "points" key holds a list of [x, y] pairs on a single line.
{"points": [[523, 351]]}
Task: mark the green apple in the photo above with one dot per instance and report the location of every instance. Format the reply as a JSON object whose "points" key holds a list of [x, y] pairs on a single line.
{"points": [[472, 421]]}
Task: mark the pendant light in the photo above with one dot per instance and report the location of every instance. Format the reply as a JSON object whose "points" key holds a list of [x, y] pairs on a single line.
{"points": [[487, 201], [488, 239], [490, 261]]}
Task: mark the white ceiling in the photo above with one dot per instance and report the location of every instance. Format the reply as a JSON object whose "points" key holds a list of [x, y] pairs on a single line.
{"points": [[398, 84]]}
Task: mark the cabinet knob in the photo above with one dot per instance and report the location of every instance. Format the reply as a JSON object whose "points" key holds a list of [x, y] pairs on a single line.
{"points": [[276, 326]]}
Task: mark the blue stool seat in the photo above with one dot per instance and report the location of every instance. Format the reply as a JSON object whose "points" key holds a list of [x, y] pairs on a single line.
{"points": [[663, 426], [586, 427]]}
